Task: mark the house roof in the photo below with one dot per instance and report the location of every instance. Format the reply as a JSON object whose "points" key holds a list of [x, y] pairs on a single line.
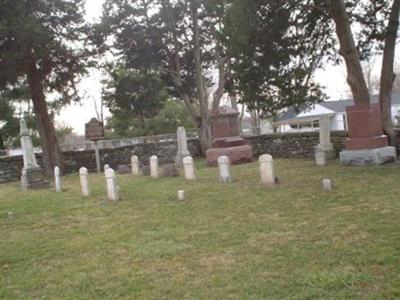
{"points": [[292, 116]]}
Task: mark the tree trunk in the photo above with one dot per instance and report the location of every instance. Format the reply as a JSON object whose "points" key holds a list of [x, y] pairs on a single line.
{"points": [[204, 130], [348, 50], [2, 146], [48, 139], [387, 74], [205, 137], [255, 122]]}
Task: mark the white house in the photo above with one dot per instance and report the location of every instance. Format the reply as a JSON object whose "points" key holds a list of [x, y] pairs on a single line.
{"points": [[308, 120]]}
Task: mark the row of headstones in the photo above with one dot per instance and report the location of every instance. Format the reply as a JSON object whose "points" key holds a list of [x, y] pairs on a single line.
{"points": [[266, 171], [189, 169], [267, 174]]}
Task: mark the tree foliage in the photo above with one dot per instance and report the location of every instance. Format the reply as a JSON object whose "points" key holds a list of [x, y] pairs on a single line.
{"points": [[43, 44], [138, 94], [275, 47], [171, 116]]}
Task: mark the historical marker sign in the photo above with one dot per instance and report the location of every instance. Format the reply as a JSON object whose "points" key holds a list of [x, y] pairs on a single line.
{"points": [[94, 130]]}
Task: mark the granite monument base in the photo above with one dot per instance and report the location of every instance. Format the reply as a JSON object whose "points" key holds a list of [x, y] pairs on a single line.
{"points": [[368, 157], [33, 178], [237, 154]]}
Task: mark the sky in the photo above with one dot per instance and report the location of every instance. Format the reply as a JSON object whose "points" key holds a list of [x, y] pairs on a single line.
{"points": [[76, 115]]}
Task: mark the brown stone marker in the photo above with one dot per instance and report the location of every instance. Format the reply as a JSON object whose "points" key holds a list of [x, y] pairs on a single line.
{"points": [[366, 144], [365, 127], [226, 138]]}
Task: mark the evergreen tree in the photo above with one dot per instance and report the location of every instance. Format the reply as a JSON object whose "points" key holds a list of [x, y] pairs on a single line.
{"points": [[43, 43]]}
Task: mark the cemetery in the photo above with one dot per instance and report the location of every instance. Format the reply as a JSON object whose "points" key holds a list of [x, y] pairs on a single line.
{"points": [[236, 239], [239, 229], [194, 149]]}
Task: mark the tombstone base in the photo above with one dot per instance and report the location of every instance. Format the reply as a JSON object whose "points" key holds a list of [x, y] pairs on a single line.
{"points": [[368, 157], [237, 155], [33, 179]]}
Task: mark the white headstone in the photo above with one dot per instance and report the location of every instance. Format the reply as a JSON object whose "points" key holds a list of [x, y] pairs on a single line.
{"points": [[112, 187], [182, 145], [267, 170], [57, 179], [32, 176], [327, 184], [224, 169], [154, 168], [84, 178], [325, 144], [135, 165], [325, 130], [181, 195], [27, 147], [106, 166], [188, 168], [320, 158]]}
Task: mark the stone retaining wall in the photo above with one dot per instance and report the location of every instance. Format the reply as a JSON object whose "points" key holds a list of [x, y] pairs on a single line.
{"points": [[10, 167], [288, 145], [293, 145]]}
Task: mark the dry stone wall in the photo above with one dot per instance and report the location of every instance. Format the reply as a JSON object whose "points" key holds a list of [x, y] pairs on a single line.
{"points": [[288, 145], [10, 167], [293, 145]]}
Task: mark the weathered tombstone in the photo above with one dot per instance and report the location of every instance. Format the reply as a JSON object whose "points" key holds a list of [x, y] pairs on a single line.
{"points": [[327, 184], [226, 138], [320, 158], [154, 168], [224, 169], [324, 148], [106, 166], [84, 179], [188, 168], [267, 170], [182, 145], [94, 131], [112, 187], [181, 195], [135, 165], [32, 176], [57, 179]]}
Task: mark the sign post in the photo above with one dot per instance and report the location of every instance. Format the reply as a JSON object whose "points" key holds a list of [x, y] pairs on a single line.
{"points": [[94, 131]]}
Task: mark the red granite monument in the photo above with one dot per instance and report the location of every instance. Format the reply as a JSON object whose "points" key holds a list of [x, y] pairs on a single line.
{"points": [[366, 143], [226, 138]]}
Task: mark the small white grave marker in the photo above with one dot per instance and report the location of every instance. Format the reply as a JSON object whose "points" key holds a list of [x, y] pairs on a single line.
{"points": [[327, 185], [320, 158], [224, 169], [112, 187], [135, 165], [188, 168], [84, 178], [181, 195], [267, 170], [154, 169], [57, 179], [106, 166]]}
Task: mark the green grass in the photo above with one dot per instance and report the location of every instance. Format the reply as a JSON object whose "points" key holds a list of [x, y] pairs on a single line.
{"points": [[228, 241]]}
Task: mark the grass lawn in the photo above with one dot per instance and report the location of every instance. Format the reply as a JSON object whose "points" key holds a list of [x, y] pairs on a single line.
{"points": [[228, 241]]}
